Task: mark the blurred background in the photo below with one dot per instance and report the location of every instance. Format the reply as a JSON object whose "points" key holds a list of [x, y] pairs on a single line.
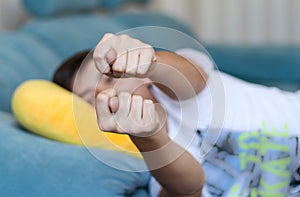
{"points": [[239, 21], [232, 22], [255, 40]]}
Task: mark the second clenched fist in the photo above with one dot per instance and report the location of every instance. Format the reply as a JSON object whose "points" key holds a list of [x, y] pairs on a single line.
{"points": [[128, 113]]}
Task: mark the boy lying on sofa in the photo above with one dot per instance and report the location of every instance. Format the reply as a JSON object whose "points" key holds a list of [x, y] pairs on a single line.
{"points": [[126, 81]]}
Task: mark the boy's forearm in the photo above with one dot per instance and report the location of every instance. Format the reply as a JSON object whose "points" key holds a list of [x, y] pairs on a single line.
{"points": [[176, 76], [175, 169]]}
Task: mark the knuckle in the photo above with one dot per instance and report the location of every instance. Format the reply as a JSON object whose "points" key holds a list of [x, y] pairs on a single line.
{"points": [[124, 36], [125, 94], [130, 71], [137, 43], [142, 72], [137, 97], [101, 97], [117, 67], [148, 102], [148, 47], [108, 34]]}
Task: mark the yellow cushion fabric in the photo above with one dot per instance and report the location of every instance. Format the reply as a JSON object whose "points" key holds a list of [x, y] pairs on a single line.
{"points": [[51, 111]]}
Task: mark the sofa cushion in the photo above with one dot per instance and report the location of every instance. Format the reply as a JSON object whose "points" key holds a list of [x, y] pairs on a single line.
{"points": [[36, 166], [22, 57], [271, 66], [54, 7]]}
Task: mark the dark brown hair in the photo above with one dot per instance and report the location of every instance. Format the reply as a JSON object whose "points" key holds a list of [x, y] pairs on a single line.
{"points": [[64, 74]]}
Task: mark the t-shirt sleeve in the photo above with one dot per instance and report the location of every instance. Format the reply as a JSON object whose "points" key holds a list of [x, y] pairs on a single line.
{"points": [[154, 187]]}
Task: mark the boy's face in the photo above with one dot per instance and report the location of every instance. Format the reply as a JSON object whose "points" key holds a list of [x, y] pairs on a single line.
{"points": [[89, 81]]}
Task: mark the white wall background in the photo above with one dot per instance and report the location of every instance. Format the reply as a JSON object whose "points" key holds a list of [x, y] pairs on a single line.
{"points": [[248, 22], [12, 14]]}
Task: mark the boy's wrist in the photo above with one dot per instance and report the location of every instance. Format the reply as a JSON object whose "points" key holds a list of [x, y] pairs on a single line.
{"points": [[152, 142]]}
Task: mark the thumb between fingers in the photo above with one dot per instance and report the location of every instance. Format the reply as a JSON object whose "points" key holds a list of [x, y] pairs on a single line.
{"points": [[111, 57], [113, 104]]}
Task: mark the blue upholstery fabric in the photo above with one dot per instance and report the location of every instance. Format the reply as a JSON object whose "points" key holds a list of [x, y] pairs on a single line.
{"points": [[272, 66], [54, 7], [35, 166], [22, 57], [112, 4]]}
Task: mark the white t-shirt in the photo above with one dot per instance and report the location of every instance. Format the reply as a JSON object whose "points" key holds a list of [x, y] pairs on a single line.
{"points": [[235, 106]]}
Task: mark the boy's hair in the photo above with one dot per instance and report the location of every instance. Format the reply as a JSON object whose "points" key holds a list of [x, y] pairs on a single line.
{"points": [[65, 73]]}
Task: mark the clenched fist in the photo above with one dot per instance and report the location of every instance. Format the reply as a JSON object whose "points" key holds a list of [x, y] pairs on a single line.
{"points": [[126, 113], [121, 55]]}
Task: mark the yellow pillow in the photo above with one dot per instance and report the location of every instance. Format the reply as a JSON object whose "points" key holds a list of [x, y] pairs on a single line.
{"points": [[51, 111]]}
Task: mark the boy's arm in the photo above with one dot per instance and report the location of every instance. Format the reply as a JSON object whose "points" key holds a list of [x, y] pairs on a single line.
{"points": [[173, 167], [176, 76]]}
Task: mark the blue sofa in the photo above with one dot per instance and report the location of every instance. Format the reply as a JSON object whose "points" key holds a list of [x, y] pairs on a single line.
{"points": [[34, 166]]}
